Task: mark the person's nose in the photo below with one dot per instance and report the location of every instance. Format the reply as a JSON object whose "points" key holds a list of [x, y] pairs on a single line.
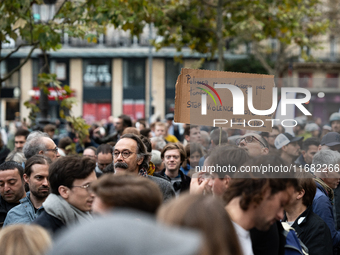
{"points": [[45, 182], [7, 187], [280, 214]]}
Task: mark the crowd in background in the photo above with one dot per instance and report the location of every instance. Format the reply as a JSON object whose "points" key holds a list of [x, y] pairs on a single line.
{"points": [[147, 188]]}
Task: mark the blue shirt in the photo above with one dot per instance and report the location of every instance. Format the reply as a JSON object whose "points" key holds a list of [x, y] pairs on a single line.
{"points": [[23, 213]]}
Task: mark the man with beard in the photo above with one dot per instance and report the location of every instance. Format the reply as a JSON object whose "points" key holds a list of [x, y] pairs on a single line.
{"points": [[130, 156], [71, 197], [257, 200], [36, 176], [11, 187], [288, 146]]}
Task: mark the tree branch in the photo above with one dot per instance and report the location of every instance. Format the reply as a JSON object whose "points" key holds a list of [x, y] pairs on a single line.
{"points": [[10, 54], [262, 59], [56, 14], [208, 4], [20, 65]]}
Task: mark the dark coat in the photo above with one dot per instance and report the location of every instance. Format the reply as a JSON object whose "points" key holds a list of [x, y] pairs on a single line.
{"points": [[314, 233], [4, 151], [270, 242], [337, 206], [185, 183], [4, 209], [50, 223], [322, 206]]}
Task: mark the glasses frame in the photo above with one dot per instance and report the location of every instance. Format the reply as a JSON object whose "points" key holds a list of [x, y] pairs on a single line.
{"points": [[55, 150], [238, 141], [121, 153], [86, 186]]}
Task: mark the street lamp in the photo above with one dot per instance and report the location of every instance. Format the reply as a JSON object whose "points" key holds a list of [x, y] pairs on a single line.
{"points": [[42, 14]]}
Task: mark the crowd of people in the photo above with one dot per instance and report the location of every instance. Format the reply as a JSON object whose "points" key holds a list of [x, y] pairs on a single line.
{"points": [[166, 188]]}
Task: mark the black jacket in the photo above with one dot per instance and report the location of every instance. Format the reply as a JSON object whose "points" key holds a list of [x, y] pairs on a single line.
{"points": [[314, 233], [50, 223], [4, 209], [270, 242], [185, 183]]}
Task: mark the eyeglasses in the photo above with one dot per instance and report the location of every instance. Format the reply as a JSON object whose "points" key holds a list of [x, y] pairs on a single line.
{"points": [[125, 154], [55, 150], [86, 186], [169, 157], [249, 139]]}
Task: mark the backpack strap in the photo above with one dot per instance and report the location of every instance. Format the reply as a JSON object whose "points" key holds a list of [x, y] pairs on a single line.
{"points": [[286, 229]]}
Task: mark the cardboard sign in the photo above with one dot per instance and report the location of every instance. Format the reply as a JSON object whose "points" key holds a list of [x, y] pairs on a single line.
{"points": [[203, 99]]}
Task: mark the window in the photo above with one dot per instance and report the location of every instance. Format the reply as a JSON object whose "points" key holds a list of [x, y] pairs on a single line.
{"points": [[97, 73], [305, 80], [5, 68], [134, 73]]}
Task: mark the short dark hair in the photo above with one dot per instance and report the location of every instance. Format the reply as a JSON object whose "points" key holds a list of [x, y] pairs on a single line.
{"points": [[250, 187], [22, 132], [36, 160], [188, 128], [127, 122], [146, 142], [12, 165], [49, 127], [215, 136], [128, 191], [145, 132], [306, 183], [64, 142], [104, 149], [141, 150], [65, 170], [310, 141]]}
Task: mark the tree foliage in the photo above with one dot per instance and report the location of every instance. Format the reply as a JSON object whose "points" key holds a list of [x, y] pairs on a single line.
{"points": [[194, 23]]}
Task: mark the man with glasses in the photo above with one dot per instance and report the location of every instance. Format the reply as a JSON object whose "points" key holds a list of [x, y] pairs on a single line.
{"points": [[270, 137], [130, 156], [288, 146], [71, 199], [40, 143], [173, 156], [254, 144]]}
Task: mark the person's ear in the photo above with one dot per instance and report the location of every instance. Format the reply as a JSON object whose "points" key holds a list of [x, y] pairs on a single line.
{"points": [[41, 152], [140, 161], [26, 178], [303, 153], [64, 191], [301, 194], [226, 181], [265, 150]]}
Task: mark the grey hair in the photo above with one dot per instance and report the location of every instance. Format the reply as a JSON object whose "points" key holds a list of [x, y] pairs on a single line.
{"points": [[329, 157], [159, 142], [34, 144], [16, 156]]}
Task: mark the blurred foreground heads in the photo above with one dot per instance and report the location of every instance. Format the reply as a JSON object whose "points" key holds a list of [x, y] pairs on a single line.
{"points": [[125, 191], [126, 233], [24, 240]]}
